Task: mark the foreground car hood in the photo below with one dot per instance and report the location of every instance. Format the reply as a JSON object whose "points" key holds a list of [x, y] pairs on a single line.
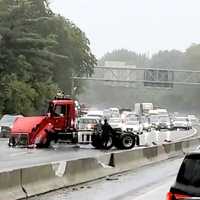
{"points": [[26, 124]]}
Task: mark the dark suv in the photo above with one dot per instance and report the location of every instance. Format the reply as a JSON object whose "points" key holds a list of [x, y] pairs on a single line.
{"points": [[187, 185]]}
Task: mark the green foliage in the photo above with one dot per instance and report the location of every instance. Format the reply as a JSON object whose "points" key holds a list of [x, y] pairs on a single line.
{"points": [[167, 59], [192, 57], [19, 97], [39, 52], [123, 55]]}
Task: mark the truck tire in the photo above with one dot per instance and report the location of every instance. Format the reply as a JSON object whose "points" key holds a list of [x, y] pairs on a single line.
{"points": [[108, 143], [127, 141], [11, 142], [96, 143], [118, 144], [46, 142]]}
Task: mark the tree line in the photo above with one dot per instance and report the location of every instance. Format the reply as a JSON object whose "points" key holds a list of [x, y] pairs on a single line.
{"points": [[174, 59], [39, 52]]}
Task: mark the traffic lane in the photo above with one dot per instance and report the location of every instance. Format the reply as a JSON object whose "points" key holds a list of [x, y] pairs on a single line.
{"points": [[11, 158], [149, 182]]}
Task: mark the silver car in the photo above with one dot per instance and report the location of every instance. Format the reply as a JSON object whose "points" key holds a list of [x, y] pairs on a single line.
{"points": [[182, 123], [6, 124]]}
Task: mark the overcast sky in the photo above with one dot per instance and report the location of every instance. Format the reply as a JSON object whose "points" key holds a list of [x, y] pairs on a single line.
{"points": [[143, 26]]}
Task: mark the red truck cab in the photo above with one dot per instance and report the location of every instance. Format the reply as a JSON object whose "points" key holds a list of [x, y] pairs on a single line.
{"points": [[58, 123]]}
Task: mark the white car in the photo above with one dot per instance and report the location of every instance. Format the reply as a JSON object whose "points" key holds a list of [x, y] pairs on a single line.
{"points": [[124, 115], [6, 124], [133, 126], [154, 121], [146, 123], [182, 123], [87, 123], [193, 119], [95, 114], [114, 112], [116, 122], [107, 113], [86, 126]]}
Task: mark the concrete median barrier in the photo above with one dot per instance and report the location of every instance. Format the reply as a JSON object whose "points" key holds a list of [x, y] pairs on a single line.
{"points": [[40, 179], [126, 160], [153, 154], [45, 178], [10, 185], [173, 149], [83, 170], [131, 159]]}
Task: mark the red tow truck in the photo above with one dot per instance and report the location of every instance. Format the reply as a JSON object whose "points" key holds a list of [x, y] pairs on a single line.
{"points": [[38, 131], [60, 123]]}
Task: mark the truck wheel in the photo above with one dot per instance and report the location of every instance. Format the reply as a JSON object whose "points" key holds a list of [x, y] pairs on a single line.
{"points": [[11, 142], [127, 141], [45, 143], [96, 141], [108, 143], [118, 144]]}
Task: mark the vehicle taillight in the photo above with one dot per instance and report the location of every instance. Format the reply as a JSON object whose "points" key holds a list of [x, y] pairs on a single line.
{"points": [[171, 196]]}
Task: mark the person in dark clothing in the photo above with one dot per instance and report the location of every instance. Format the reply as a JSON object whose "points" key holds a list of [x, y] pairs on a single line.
{"points": [[106, 130], [98, 127]]}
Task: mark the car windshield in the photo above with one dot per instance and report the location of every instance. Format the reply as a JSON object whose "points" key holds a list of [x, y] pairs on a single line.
{"points": [[132, 122], [164, 119], [114, 120], [154, 118], [131, 116], [180, 119], [94, 115], [8, 119], [87, 121]]}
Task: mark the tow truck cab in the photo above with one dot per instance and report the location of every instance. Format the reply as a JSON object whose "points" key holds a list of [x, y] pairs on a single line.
{"points": [[59, 123], [63, 114]]}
